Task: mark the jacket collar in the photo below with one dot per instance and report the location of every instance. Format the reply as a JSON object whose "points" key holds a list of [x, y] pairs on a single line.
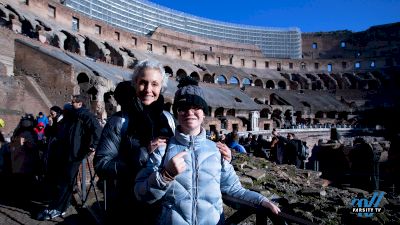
{"points": [[185, 139]]}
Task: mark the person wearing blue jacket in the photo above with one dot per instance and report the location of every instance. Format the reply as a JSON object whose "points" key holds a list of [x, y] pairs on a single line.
{"points": [[190, 176]]}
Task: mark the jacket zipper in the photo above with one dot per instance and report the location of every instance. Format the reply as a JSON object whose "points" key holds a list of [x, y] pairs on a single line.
{"points": [[195, 179]]}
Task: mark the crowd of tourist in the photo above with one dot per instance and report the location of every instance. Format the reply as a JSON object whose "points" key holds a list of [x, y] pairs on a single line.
{"points": [[143, 141]]}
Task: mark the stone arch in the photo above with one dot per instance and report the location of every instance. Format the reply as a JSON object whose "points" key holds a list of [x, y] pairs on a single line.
{"points": [[288, 117], [343, 115], [92, 92], [110, 104], [276, 116], [115, 55], [83, 83], [331, 114], [195, 76], [231, 112], [282, 85], [54, 41], [221, 79], [329, 82], [4, 21], [92, 50], [317, 85], [352, 79], [44, 25], [265, 113], [2, 14], [168, 71], [299, 116], [319, 114], [270, 84], [258, 83], [82, 78], [246, 82], [207, 78], [71, 43], [28, 29], [234, 81], [180, 73], [219, 112]]}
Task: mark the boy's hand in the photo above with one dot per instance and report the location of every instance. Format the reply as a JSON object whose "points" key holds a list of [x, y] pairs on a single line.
{"points": [[275, 209], [176, 165]]}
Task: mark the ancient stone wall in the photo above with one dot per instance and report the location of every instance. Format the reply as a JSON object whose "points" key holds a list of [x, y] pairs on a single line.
{"points": [[54, 77]]}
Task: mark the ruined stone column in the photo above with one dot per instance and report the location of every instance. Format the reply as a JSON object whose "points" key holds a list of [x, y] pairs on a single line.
{"points": [[254, 117], [15, 24]]}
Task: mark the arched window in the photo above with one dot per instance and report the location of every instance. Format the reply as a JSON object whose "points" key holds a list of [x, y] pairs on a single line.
{"points": [[264, 113], [258, 83], [180, 73], [195, 76], [246, 82], [221, 79], [207, 78], [281, 84], [270, 84], [82, 78], [219, 112], [231, 112], [234, 81], [168, 71]]}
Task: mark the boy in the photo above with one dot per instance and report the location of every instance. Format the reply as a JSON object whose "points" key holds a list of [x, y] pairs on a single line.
{"points": [[192, 175]]}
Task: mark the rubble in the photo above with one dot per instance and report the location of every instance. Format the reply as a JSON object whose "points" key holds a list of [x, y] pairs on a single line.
{"points": [[301, 193]]}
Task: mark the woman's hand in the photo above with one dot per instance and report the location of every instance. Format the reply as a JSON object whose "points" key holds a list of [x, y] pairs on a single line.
{"points": [[156, 143], [275, 209], [225, 151]]}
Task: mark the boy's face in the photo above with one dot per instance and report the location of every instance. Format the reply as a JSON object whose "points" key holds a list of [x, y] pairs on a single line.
{"points": [[190, 118]]}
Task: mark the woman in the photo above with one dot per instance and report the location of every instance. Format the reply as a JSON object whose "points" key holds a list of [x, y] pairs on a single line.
{"points": [[130, 136], [192, 177]]}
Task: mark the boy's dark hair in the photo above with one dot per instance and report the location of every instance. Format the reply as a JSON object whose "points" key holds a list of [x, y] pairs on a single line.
{"points": [[79, 98]]}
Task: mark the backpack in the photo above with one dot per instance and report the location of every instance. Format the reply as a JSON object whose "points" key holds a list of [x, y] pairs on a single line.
{"points": [[302, 150]]}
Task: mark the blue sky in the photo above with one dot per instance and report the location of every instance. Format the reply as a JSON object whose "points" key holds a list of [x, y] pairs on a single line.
{"points": [[308, 15]]}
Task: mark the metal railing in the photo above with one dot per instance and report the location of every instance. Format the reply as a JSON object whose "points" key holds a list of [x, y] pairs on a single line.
{"points": [[246, 209]]}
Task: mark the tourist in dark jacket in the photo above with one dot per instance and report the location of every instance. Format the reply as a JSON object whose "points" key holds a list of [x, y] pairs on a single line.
{"points": [[77, 136], [290, 148], [129, 137], [55, 117]]}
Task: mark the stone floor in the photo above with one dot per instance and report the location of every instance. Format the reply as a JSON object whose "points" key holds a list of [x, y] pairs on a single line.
{"points": [[20, 202]]}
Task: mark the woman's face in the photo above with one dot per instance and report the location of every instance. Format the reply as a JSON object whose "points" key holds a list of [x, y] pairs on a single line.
{"points": [[190, 119], [53, 113], [148, 86]]}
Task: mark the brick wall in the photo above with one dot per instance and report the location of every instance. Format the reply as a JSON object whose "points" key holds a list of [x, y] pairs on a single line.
{"points": [[54, 77]]}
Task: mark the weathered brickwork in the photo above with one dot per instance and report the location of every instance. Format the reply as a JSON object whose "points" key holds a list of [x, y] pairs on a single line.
{"points": [[54, 77]]}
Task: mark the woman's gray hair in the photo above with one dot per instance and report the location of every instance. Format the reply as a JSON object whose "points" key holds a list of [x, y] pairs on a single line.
{"points": [[150, 64]]}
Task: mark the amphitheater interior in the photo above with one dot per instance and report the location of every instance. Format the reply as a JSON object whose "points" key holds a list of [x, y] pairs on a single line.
{"points": [[50, 51]]}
